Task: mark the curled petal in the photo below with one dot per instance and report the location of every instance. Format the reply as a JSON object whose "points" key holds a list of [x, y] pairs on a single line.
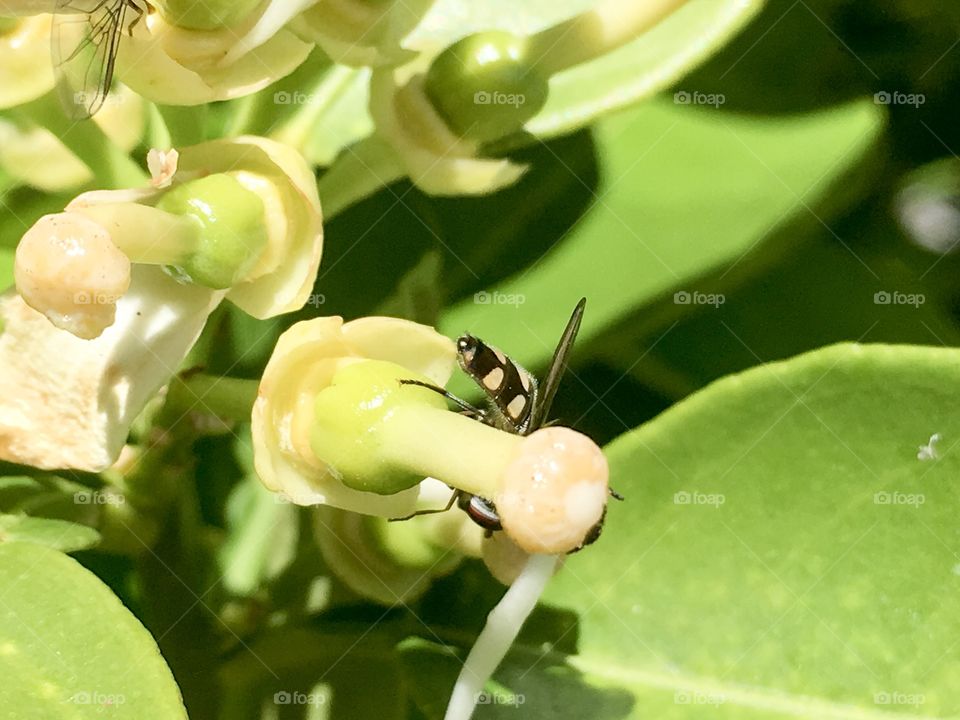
{"points": [[303, 363], [284, 276], [437, 160], [171, 65]]}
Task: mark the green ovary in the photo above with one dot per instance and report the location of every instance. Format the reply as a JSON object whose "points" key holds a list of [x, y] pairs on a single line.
{"points": [[232, 230]]}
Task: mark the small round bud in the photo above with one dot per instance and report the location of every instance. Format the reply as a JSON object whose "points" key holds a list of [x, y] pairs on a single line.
{"points": [[233, 234], [484, 87], [554, 491], [68, 268], [349, 414]]}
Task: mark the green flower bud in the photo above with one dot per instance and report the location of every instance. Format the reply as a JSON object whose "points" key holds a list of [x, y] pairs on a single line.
{"points": [[485, 87], [207, 15], [383, 561], [233, 231], [361, 397]]}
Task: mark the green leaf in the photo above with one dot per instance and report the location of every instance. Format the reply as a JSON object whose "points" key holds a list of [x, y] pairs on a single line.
{"points": [[782, 552], [70, 649], [56, 534], [663, 217], [782, 548]]}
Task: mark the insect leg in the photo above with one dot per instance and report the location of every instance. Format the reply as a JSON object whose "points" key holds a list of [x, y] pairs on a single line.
{"points": [[615, 495], [139, 11], [453, 498], [467, 408]]}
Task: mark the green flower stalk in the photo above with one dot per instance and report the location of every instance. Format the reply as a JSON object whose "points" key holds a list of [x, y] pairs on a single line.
{"points": [[367, 434]]}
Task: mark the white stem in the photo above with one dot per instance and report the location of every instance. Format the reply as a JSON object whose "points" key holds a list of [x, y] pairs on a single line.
{"points": [[503, 626]]}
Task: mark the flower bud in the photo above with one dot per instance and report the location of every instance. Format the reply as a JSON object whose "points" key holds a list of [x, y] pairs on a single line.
{"points": [[484, 87], [231, 223]]}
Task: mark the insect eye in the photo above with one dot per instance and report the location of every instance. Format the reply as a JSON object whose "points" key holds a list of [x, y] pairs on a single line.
{"points": [[464, 343]]}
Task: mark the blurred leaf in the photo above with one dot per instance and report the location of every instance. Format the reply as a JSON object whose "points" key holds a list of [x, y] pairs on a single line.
{"points": [[756, 71], [662, 216], [261, 537], [337, 671], [418, 295], [876, 289], [48, 496], [56, 534], [373, 245], [70, 648]]}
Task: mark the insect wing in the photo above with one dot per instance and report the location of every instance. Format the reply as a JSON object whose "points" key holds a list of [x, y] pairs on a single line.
{"points": [[84, 41], [548, 389]]}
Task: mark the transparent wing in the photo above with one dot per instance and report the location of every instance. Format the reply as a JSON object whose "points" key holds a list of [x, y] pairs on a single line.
{"points": [[84, 42], [548, 389]]}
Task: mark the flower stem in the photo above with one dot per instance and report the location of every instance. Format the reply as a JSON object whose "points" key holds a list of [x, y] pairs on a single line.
{"points": [[605, 27], [359, 171], [112, 167], [450, 447], [227, 398], [185, 124], [502, 627]]}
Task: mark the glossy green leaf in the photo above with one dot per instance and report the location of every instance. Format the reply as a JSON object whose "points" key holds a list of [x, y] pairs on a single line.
{"points": [[70, 649], [662, 217]]}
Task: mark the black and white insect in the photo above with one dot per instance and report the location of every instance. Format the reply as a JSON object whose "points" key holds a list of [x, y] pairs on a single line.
{"points": [[84, 42], [516, 403]]}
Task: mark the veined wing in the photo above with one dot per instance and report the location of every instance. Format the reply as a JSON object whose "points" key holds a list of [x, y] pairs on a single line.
{"points": [[548, 388], [84, 41]]}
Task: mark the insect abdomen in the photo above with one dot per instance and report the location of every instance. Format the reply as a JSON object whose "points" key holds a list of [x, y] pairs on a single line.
{"points": [[510, 387]]}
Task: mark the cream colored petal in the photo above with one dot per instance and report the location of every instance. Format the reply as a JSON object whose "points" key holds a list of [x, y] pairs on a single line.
{"points": [[26, 71], [302, 364], [436, 160], [69, 403]]}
